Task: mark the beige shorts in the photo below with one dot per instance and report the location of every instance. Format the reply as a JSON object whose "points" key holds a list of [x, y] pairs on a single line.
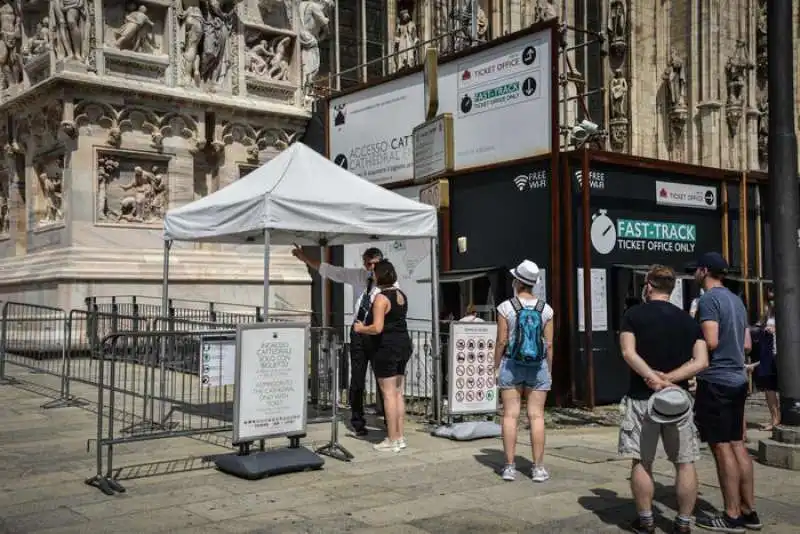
{"points": [[638, 436]]}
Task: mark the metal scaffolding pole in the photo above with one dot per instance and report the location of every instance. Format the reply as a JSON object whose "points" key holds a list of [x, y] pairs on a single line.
{"points": [[784, 206]]}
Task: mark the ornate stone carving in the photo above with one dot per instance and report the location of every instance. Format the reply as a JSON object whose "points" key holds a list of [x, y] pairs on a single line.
{"points": [[256, 141], [761, 43], [10, 54], [462, 23], [49, 208], [545, 10], [675, 82], [40, 43], [763, 130], [618, 94], [72, 19], [736, 71], [136, 32], [270, 59], [405, 41], [313, 29], [205, 33], [5, 186], [191, 19], [618, 133], [130, 191], [159, 125], [618, 27]]}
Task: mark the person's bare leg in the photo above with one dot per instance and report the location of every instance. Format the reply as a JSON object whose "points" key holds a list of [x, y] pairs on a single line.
{"points": [[390, 406], [511, 407], [401, 407], [535, 404], [642, 486], [728, 472], [774, 408], [686, 488], [746, 477]]}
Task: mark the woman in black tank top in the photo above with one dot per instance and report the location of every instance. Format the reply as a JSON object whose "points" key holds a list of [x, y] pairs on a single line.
{"points": [[392, 351]]}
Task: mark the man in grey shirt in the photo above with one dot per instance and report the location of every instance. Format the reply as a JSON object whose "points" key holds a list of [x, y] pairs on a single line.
{"points": [[722, 394]]}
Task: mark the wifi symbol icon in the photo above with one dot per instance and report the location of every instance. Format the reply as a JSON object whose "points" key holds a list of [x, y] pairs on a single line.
{"points": [[522, 182]]}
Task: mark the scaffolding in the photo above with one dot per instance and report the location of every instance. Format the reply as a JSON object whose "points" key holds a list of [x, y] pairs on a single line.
{"points": [[362, 49]]}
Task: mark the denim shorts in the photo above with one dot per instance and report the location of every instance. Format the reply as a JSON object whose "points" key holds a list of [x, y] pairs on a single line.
{"points": [[513, 375]]}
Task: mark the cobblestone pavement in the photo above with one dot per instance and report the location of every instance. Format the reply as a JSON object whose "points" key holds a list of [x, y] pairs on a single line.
{"points": [[435, 486]]}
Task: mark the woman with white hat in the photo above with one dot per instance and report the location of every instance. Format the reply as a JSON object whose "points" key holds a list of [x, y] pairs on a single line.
{"points": [[523, 359]]}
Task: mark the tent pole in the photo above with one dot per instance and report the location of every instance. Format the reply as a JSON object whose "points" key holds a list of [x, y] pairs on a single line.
{"points": [[435, 351], [165, 279], [265, 313]]}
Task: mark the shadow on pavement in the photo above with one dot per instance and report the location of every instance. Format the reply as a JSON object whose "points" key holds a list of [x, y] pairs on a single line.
{"points": [[495, 460]]}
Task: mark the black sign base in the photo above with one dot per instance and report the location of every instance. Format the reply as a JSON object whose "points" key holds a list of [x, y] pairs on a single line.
{"points": [[262, 464]]}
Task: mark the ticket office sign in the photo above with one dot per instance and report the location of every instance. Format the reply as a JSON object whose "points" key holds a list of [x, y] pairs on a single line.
{"points": [[472, 385]]}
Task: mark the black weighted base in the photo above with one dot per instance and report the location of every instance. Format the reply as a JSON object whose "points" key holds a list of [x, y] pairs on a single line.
{"points": [[72, 402], [269, 463], [335, 451], [109, 486]]}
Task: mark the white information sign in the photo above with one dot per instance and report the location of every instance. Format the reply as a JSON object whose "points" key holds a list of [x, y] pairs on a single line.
{"points": [[677, 293], [431, 153], [500, 100], [686, 195], [271, 381], [472, 383], [540, 289], [217, 361], [599, 300]]}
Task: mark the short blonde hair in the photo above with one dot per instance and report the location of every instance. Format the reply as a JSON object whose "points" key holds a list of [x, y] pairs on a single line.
{"points": [[661, 278]]}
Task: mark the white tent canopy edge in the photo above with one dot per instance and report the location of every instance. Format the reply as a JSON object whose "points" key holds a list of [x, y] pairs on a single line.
{"points": [[300, 197]]}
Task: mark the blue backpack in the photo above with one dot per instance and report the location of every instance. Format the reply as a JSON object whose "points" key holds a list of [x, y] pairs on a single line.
{"points": [[528, 345]]}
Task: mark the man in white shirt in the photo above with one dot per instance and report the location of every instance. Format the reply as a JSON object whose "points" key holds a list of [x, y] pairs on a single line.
{"points": [[364, 291]]}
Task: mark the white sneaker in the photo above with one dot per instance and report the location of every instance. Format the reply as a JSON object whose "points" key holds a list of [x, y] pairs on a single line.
{"points": [[509, 473], [386, 446], [401, 443], [539, 474]]}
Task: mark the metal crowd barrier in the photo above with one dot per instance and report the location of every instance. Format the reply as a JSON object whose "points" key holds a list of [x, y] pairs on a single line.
{"points": [[150, 388]]}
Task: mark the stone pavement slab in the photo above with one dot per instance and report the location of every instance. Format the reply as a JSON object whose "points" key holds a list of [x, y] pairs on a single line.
{"points": [[436, 486]]}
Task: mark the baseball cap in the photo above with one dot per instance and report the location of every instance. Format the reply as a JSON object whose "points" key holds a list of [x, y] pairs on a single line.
{"points": [[713, 261]]}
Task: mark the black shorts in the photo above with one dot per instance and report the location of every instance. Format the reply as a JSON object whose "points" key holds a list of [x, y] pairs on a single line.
{"points": [[766, 383], [719, 412]]}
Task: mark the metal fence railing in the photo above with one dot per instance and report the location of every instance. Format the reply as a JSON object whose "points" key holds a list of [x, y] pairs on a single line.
{"points": [[150, 388]]}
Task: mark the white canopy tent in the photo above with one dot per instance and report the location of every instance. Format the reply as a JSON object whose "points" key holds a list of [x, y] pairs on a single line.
{"points": [[301, 197]]}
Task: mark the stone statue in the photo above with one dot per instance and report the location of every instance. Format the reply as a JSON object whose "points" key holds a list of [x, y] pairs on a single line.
{"points": [[279, 63], [619, 95], [406, 41], [545, 10], [190, 17], [5, 221], [617, 20], [10, 57], [675, 78], [50, 186], [107, 170], [40, 42], [158, 202], [71, 17], [313, 29], [135, 34], [258, 58], [463, 22], [763, 129], [736, 70], [217, 28], [147, 188]]}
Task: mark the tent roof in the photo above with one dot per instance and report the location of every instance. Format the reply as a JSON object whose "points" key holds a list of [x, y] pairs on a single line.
{"points": [[301, 197]]}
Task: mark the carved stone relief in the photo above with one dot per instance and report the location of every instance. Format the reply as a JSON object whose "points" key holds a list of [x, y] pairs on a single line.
{"points": [[269, 57], [131, 189], [406, 39], [256, 141], [618, 27], [206, 35], [545, 10], [314, 28], [49, 206], [461, 23], [763, 130], [37, 129], [139, 27], [761, 42], [737, 70], [618, 100], [675, 97], [41, 32], [159, 125], [73, 20], [10, 47], [5, 186]]}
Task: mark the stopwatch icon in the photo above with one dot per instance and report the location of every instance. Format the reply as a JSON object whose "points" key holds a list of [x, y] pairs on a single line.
{"points": [[603, 232]]}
